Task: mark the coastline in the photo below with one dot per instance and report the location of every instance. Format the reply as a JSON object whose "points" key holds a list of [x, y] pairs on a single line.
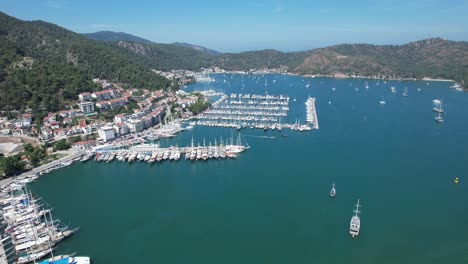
{"points": [[339, 76]]}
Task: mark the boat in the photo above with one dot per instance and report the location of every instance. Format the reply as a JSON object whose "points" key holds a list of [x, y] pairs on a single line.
{"points": [[439, 118], [382, 101], [66, 259], [393, 89], [355, 224], [405, 92], [456, 180], [438, 106], [308, 85], [294, 100], [333, 191]]}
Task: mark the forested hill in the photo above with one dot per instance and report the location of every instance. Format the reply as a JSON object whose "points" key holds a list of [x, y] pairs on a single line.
{"points": [[115, 36], [43, 65]]}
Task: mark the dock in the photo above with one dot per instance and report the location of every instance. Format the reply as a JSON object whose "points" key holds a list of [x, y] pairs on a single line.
{"points": [[250, 110], [311, 112]]}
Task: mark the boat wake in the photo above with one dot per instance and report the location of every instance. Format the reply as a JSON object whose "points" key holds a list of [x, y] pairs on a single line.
{"points": [[269, 137]]}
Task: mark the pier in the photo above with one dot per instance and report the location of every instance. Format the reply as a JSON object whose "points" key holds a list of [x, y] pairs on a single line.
{"points": [[250, 110], [311, 112]]}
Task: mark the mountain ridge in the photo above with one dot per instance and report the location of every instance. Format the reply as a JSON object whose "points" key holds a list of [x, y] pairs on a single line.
{"points": [[43, 65]]}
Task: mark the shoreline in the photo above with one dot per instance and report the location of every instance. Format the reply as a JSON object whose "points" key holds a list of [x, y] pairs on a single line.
{"points": [[339, 76]]}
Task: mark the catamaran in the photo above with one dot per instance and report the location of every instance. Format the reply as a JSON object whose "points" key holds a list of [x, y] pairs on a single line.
{"points": [[355, 224], [333, 191]]}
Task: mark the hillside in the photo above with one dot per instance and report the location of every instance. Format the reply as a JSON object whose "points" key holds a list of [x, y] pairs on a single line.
{"points": [[199, 48], [115, 36], [437, 58], [43, 65]]}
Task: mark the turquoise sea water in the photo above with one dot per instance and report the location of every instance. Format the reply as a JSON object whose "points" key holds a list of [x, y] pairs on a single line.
{"points": [[272, 204]]}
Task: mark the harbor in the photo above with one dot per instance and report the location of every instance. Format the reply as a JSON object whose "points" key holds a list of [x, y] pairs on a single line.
{"points": [[253, 111], [29, 231], [278, 183]]}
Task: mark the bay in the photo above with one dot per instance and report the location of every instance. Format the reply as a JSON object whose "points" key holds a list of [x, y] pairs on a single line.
{"points": [[272, 204]]}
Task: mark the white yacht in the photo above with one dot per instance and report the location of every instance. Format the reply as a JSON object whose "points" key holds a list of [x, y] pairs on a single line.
{"points": [[355, 224], [333, 191], [382, 101], [405, 92], [393, 89], [439, 118]]}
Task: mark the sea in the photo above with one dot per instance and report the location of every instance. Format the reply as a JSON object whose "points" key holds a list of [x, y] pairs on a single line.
{"points": [[271, 204]]}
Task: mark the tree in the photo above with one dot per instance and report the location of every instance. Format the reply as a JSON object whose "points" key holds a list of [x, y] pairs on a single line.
{"points": [[61, 145], [11, 165]]}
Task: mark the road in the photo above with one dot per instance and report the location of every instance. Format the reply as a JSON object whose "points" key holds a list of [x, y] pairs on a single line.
{"points": [[71, 154]]}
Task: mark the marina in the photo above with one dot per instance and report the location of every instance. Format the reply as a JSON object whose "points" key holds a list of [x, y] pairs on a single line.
{"points": [[151, 153], [256, 112], [29, 230], [172, 204]]}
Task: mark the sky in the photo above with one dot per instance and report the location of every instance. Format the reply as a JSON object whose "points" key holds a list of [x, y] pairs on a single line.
{"points": [[240, 25]]}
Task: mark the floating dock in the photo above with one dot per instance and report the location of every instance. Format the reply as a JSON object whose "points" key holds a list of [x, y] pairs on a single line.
{"points": [[312, 112]]}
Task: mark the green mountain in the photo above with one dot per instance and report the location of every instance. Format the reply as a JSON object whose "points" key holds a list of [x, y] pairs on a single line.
{"points": [[43, 65], [199, 48], [437, 58], [115, 36]]}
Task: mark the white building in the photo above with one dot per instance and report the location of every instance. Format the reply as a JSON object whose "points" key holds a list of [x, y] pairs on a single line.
{"points": [[106, 133], [86, 107], [120, 118], [121, 129], [135, 125]]}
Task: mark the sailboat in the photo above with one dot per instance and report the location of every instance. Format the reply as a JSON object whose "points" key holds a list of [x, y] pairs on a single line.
{"points": [[333, 191], [439, 118], [355, 224], [405, 92], [294, 100], [393, 89], [382, 101], [438, 106]]}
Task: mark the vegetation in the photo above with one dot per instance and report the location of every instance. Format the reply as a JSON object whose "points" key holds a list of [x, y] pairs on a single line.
{"points": [[43, 65], [199, 106], [61, 145], [11, 166]]}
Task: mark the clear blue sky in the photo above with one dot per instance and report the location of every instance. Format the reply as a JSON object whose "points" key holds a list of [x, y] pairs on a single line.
{"points": [[239, 25]]}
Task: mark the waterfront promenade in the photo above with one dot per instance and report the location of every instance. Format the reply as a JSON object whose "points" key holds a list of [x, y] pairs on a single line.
{"points": [[70, 155]]}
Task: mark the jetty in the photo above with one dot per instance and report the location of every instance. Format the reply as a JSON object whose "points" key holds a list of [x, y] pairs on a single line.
{"points": [[311, 112], [151, 153], [250, 110], [28, 230]]}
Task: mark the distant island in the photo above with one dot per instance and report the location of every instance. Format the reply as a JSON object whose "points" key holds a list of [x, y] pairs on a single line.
{"points": [[44, 66]]}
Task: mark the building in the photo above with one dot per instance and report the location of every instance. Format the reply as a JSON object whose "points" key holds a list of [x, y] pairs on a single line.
{"points": [[103, 95], [85, 97], [135, 125], [82, 123], [84, 145], [120, 118], [103, 105], [86, 107], [60, 132], [117, 102], [3, 119], [121, 129], [106, 133], [147, 121]]}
